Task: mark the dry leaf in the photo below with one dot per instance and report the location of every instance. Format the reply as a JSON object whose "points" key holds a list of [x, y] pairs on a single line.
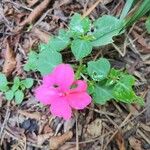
{"points": [[36, 13], [141, 40], [33, 115], [145, 127], [94, 128], [47, 129], [10, 62], [1, 100], [32, 2], [43, 36], [57, 141], [43, 137], [105, 2], [135, 144], [120, 141], [148, 106], [69, 124]]}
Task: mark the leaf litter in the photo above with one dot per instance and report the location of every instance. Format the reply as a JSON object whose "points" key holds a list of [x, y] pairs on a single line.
{"points": [[31, 126]]}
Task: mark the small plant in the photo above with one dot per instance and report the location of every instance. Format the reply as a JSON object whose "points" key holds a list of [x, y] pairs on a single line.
{"points": [[59, 89], [16, 89], [78, 37], [44, 61], [109, 83]]}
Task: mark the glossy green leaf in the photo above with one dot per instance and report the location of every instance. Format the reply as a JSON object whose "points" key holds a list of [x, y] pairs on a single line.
{"points": [[16, 84], [102, 94], [78, 25], [9, 95], [3, 82], [106, 27], [59, 42], [47, 60], [31, 62], [123, 89], [28, 82], [19, 96], [81, 48], [98, 70]]}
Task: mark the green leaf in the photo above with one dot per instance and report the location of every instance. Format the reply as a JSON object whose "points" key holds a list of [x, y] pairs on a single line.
{"points": [[19, 96], [9, 95], [126, 8], [148, 25], [86, 24], [123, 91], [28, 82], [113, 77], [106, 28], [79, 25], [47, 60], [16, 84], [98, 70], [3, 82], [81, 48], [102, 94], [139, 100], [59, 42], [137, 13], [31, 62]]}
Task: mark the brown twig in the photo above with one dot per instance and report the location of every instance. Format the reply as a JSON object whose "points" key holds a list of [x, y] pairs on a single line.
{"points": [[91, 9]]}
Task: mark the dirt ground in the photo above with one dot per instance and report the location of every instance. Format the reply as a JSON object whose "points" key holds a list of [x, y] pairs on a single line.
{"points": [[114, 126]]}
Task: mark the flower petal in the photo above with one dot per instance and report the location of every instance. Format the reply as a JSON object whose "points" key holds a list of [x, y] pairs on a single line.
{"points": [[81, 86], [61, 108], [64, 76], [46, 95], [79, 100], [49, 80]]}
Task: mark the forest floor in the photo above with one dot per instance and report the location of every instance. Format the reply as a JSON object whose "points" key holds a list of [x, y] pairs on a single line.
{"points": [[114, 126]]}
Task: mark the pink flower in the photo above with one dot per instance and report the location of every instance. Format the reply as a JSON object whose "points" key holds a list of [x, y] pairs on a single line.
{"points": [[63, 93]]}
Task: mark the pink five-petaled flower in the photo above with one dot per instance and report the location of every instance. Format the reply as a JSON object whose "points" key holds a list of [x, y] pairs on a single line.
{"points": [[62, 92]]}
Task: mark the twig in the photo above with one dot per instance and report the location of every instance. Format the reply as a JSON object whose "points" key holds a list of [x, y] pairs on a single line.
{"points": [[6, 118], [121, 125], [77, 134], [92, 140], [103, 113], [91, 9]]}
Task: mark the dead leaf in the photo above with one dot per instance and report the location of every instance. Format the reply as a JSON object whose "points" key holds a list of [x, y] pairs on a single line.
{"points": [[1, 100], [69, 124], [135, 144], [43, 137], [145, 127], [57, 141], [47, 129], [120, 141], [105, 2], [10, 62], [43, 36], [68, 147], [148, 106], [34, 115], [36, 13], [94, 128], [142, 42], [31, 2]]}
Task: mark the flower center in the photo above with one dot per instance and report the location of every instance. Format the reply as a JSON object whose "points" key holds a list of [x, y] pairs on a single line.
{"points": [[62, 94]]}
